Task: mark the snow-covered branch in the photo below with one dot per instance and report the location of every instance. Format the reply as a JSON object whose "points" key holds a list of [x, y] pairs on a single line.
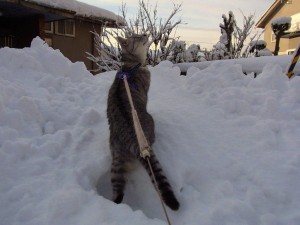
{"points": [[145, 22], [108, 57], [232, 37], [240, 34]]}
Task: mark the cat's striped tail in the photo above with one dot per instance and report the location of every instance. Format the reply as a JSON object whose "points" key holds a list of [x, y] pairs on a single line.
{"points": [[162, 181]]}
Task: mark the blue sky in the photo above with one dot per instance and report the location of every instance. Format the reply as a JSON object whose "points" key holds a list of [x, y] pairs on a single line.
{"points": [[202, 17]]}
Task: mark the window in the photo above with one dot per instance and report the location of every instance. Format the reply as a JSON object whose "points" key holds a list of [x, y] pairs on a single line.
{"points": [[49, 27], [65, 27], [7, 41], [49, 41], [273, 37]]}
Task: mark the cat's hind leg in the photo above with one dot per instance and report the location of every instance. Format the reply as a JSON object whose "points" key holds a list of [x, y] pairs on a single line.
{"points": [[118, 179]]}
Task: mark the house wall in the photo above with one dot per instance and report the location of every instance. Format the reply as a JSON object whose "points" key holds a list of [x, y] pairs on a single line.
{"points": [[27, 29], [21, 21], [22, 30], [285, 44], [75, 48]]}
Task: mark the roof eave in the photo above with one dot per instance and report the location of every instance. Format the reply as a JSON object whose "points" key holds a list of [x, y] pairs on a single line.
{"points": [[292, 35], [270, 13], [110, 23], [53, 13], [69, 13]]}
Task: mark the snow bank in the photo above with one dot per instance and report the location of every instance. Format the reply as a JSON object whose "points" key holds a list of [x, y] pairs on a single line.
{"points": [[249, 65], [53, 142], [229, 144]]}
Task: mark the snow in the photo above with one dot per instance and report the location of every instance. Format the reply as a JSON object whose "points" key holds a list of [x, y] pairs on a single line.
{"points": [[258, 42], [295, 23], [265, 52], [223, 38], [249, 65], [229, 144], [282, 20], [80, 8], [193, 53]]}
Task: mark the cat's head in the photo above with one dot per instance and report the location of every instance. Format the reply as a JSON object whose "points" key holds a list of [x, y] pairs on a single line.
{"points": [[134, 47]]}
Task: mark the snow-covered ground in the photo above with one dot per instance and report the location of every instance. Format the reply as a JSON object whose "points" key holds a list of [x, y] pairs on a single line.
{"points": [[249, 65], [229, 144]]}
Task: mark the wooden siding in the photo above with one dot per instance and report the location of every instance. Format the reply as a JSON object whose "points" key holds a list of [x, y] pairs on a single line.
{"points": [[75, 48], [285, 43]]}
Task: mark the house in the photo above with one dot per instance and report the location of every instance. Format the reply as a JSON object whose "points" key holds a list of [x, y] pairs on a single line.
{"points": [[63, 24], [279, 8]]}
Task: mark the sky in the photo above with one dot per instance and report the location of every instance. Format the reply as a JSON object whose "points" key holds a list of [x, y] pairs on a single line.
{"points": [[201, 17]]}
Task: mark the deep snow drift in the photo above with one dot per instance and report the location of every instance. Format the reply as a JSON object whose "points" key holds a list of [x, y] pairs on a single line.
{"points": [[229, 144]]}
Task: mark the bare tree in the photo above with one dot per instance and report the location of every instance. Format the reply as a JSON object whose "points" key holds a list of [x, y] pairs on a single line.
{"points": [[233, 37], [241, 34], [227, 29], [159, 30], [253, 40], [108, 56], [192, 53], [147, 22], [177, 54]]}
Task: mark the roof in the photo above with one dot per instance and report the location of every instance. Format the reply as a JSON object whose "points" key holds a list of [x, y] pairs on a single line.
{"points": [[292, 35], [269, 14], [62, 9]]}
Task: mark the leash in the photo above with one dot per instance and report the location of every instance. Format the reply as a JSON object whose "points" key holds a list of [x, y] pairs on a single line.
{"points": [[142, 141]]}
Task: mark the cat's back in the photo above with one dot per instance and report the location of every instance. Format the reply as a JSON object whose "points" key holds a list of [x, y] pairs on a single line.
{"points": [[118, 104], [119, 112]]}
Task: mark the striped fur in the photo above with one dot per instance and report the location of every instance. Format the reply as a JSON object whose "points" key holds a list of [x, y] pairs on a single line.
{"points": [[123, 142]]}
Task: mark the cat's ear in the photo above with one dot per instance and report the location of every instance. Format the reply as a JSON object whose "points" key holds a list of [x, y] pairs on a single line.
{"points": [[122, 41]]}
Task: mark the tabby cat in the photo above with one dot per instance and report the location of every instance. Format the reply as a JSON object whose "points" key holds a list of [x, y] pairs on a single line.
{"points": [[123, 142]]}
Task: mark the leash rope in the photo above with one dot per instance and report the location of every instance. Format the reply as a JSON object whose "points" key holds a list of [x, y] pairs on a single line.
{"points": [[143, 143], [158, 192]]}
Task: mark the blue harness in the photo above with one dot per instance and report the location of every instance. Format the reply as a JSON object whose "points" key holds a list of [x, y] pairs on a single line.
{"points": [[129, 74]]}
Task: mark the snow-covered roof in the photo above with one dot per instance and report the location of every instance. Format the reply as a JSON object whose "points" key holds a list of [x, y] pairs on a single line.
{"points": [[80, 9], [295, 26]]}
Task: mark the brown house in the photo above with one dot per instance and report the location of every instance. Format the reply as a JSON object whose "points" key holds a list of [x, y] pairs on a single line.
{"points": [[280, 8], [63, 24]]}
